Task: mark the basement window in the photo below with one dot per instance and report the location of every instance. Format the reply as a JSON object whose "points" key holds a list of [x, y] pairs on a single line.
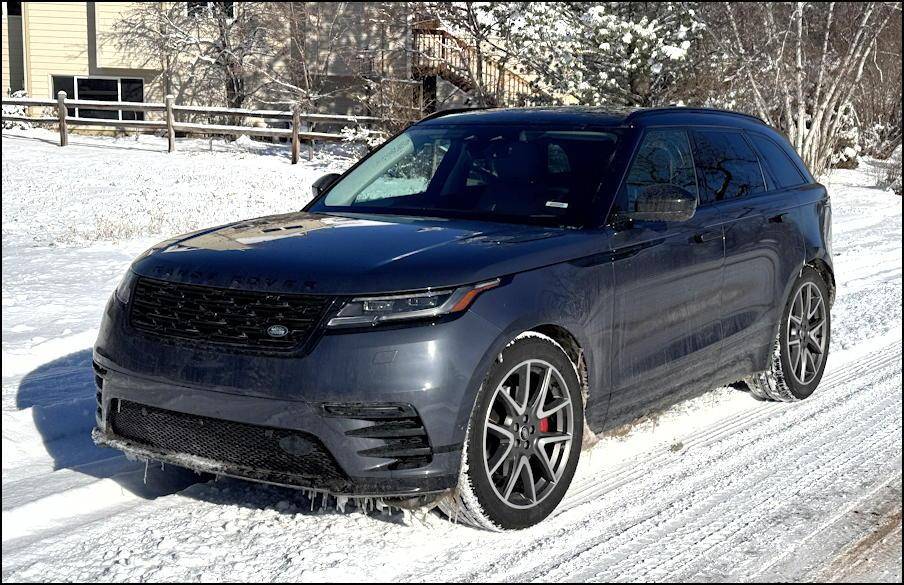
{"points": [[105, 89]]}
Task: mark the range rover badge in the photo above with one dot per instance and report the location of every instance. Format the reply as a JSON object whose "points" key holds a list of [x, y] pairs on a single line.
{"points": [[277, 330]]}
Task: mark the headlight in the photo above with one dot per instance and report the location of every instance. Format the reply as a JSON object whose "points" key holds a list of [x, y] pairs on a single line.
{"points": [[124, 288], [419, 305]]}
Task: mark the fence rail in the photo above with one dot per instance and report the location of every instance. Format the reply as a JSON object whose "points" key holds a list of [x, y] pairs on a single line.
{"points": [[169, 109]]}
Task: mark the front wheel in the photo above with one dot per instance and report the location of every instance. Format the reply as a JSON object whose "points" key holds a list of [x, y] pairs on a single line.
{"points": [[523, 440], [802, 345]]}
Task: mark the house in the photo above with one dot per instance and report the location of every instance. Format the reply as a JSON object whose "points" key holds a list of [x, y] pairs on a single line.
{"points": [[54, 46], [372, 61]]}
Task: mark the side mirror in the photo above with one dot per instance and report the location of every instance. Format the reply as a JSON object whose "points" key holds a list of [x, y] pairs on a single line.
{"points": [[664, 202], [321, 184]]}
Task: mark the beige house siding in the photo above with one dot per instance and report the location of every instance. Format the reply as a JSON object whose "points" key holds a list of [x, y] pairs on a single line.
{"points": [[106, 15], [72, 38], [56, 43], [374, 43], [6, 83]]}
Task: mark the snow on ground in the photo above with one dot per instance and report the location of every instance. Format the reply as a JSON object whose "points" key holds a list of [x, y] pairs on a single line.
{"points": [[721, 487], [105, 189]]}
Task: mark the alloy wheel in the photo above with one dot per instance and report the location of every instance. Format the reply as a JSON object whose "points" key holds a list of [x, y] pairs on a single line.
{"points": [[529, 428], [807, 333]]}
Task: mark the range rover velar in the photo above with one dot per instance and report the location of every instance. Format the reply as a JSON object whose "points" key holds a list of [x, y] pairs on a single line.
{"points": [[454, 315]]}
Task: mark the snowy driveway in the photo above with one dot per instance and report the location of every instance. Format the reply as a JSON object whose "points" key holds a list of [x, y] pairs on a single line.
{"points": [[717, 488]]}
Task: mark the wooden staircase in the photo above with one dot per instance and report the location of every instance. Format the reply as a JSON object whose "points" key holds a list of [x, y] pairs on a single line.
{"points": [[439, 53]]}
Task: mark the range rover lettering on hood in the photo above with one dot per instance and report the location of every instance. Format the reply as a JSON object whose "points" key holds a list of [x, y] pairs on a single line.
{"points": [[357, 254]]}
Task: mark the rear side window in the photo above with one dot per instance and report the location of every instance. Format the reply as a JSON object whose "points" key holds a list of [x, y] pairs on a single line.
{"points": [[664, 158], [727, 167], [783, 170]]}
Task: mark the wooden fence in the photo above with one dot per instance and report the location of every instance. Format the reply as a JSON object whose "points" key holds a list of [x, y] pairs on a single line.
{"points": [[169, 123]]}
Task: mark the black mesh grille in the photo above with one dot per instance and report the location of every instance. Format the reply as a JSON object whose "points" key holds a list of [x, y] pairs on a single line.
{"points": [[220, 315], [261, 450]]}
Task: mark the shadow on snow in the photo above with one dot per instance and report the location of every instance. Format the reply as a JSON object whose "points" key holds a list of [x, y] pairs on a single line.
{"points": [[61, 396]]}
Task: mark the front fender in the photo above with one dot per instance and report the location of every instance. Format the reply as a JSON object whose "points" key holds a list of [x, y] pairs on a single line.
{"points": [[572, 296]]}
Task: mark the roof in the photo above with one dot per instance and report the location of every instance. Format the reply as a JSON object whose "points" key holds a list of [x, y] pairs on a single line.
{"points": [[599, 115]]}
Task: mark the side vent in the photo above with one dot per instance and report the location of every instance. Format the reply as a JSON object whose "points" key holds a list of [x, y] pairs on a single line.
{"points": [[99, 374], [398, 426]]}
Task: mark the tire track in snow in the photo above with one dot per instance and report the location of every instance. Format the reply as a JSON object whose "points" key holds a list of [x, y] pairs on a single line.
{"points": [[734, 489], [588, 488], [729, 529]]}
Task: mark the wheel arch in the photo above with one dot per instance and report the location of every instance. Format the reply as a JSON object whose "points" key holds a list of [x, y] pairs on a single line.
{"points": [[828, 276], [576, 350], [572, 348]]}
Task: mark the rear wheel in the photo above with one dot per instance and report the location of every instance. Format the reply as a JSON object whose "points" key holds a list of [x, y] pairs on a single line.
{"points": [[523, 440], [802, 346]]}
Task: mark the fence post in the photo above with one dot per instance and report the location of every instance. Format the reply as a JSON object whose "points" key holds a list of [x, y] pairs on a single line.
{"points": [[296, 127], [61, 115], [170, 120]]}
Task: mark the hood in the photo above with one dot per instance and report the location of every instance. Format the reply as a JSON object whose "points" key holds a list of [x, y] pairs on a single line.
{"points": [[357, 254]]}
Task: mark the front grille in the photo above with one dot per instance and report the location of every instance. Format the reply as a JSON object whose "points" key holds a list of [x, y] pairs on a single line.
{"points": [[397, 426], [262, 451], [219, 315]]}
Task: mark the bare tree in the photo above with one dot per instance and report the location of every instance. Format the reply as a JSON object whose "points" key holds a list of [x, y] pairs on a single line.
{"points": [[345, 57], [386, 88], [314, 53], [207, 51], [797, 64], [877, 102]]}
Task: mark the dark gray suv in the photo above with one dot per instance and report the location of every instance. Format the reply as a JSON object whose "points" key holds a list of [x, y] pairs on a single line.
{"points": [[452, 316]]}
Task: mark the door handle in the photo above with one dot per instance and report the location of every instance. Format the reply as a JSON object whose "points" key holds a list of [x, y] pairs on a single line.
{"points": [[778, 218], [708, 236]]}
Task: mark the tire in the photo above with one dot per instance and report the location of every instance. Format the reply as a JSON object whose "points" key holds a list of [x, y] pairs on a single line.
{"points": [[794, 374], [534, 437]]}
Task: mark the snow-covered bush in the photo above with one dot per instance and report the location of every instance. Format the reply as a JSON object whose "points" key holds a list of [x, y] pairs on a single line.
{"points": [[848, 146], [879, 139], [627, 53], [11, 110], [359, 134], [887, 173]]}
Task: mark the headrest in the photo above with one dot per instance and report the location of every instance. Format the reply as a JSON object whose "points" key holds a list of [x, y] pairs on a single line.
{"points": [[519, 162]]}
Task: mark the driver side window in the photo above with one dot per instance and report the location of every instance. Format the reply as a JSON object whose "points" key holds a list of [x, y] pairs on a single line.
{"points": [[664, 158]]}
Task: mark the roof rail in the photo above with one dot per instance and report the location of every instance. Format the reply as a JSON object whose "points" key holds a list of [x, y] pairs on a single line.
{"points": [[441, 113], [671, 109]]}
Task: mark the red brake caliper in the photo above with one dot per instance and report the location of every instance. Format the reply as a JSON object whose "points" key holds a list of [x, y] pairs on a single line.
{"points": [[544, 425]]}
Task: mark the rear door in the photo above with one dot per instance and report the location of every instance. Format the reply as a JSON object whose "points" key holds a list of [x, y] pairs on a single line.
{"points": [[762, 246], [668, 277]]}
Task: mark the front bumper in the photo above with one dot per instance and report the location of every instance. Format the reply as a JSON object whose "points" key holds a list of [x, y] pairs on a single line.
{"points": [[433, 369]]}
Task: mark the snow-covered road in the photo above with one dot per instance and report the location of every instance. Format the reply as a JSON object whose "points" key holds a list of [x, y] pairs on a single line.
{"points": [[720, 487]]}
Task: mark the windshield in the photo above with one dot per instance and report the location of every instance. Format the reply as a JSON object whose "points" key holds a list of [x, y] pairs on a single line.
{"points": [[494, 173]]}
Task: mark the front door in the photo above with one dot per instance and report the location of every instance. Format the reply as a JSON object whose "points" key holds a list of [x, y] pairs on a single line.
{"points": [[667, 279]]}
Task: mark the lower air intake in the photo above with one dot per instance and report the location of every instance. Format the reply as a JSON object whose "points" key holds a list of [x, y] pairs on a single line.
{"points": [[399, 428], [269, 453]]}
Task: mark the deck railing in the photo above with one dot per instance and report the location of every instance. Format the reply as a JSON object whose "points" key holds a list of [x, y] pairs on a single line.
{"points": [[438, 52]]}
